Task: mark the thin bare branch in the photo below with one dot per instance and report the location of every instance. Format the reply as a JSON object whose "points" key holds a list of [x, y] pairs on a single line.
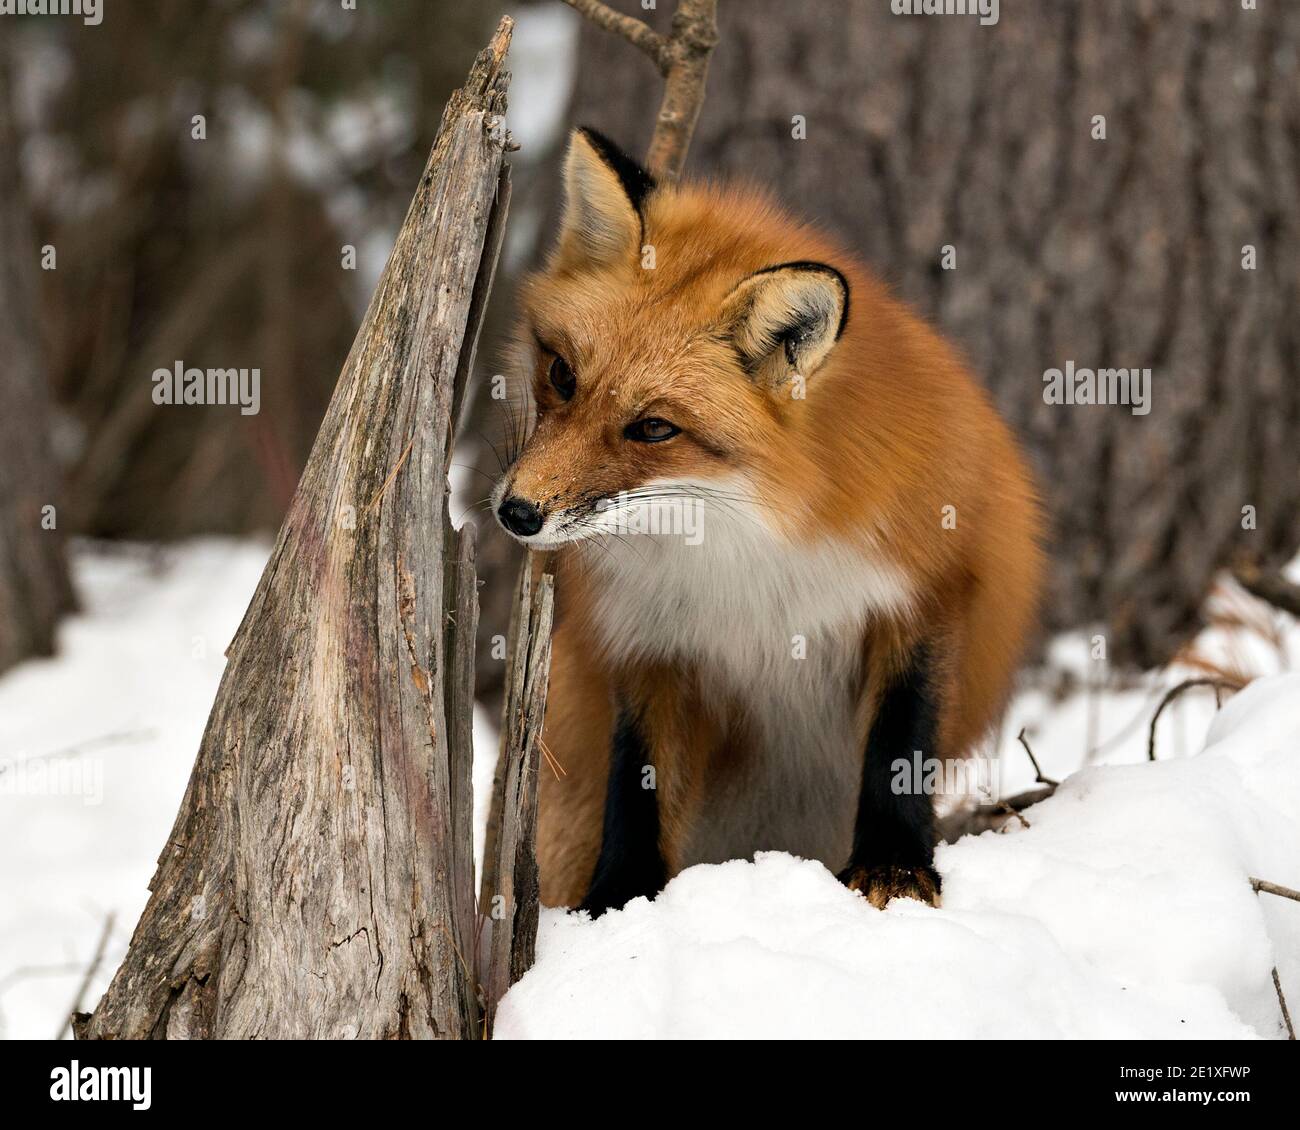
{"points": [[694, 35], [1038, 773], [1174, 692], [636, 32], [1264, 885], [683, 60], [88, 979], [1281, 1000], [1274, 889]]}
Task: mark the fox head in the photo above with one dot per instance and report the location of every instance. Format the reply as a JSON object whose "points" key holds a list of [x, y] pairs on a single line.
{"points": [[669, 343]]}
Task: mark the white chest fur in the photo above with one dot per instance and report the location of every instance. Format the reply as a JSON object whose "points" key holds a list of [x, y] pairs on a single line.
{"points": [[775, 628]]}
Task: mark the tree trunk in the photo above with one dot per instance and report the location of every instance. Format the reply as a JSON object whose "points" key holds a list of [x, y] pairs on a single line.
{"points": [[510, 889], [931, 131], [34, 586], [318, 882]]}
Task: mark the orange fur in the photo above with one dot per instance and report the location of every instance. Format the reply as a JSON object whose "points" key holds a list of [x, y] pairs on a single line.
{"points": [[892, 430]]}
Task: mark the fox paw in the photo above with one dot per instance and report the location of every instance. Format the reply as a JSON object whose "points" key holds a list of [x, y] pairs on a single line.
{"points": [[882, 882]]}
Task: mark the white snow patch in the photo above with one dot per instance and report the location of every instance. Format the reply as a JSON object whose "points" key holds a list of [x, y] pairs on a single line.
{"points": [[1125, 910], [120, 710]]}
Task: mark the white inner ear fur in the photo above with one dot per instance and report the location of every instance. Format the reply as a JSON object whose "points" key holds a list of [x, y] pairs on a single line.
{"points": [[600, 224], [785, 321]]}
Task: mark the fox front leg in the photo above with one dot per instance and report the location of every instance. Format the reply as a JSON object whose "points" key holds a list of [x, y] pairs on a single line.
{"points": [[893, 840], [630, 863]]}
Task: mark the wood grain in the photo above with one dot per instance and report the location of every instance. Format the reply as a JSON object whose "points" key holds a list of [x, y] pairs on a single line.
{"points": [[318, 881]]}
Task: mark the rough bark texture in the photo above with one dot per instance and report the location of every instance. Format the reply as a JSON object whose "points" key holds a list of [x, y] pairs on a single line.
{"points": [[932, 131], [34, 586], [318, 882], [509, 897]]}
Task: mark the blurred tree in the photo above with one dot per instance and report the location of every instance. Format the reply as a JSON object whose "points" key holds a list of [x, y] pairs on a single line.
{"points": [[34, 585], [221, 250], [926, 132]]}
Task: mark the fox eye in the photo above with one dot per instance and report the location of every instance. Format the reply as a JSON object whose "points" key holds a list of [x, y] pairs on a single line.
{"points": [[562, 378], [651, 430]]}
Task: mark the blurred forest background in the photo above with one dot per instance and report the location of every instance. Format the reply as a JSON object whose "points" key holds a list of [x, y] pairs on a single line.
{"points": [[230, 249]]}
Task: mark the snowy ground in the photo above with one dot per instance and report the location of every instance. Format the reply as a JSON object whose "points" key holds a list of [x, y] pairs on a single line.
{"points": [[1122, 910]]}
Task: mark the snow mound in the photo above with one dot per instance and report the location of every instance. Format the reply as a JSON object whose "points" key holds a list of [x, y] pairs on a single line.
{"points": [[1124, 910]]}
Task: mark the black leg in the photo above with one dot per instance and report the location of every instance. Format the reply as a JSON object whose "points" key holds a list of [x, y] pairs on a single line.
{"points": [[630, 863], [893, 841]]}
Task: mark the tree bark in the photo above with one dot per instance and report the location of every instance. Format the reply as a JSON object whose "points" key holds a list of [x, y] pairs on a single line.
{"points": [[510, 889], [318, 882], [35, 589], [931, 131]]}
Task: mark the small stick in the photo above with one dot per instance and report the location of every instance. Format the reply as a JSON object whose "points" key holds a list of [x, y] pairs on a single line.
{"points": [[91, 970], [1264, 885], [1039, 779], [636, 32], [1281, 1000], [1006, 807], [1003, 806], [1273, 889], [1174, 692]]}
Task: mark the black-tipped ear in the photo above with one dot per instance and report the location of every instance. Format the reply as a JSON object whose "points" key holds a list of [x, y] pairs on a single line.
{"points": [[604, 191], [786, 319], [636, 181]]}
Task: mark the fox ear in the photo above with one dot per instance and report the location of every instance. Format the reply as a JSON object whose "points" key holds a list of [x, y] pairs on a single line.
{"points": [[786, 319], [604, 190]]}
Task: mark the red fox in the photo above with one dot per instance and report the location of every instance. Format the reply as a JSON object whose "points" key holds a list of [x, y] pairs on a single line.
{"points": [[862, 569]]}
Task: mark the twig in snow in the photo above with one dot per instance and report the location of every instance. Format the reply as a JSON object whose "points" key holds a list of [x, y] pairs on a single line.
{"points": [[1273, 889], [1003, 806], [1281, 1000], [1264, 885], [1038, 772], [1174, 692], [89, 976]]}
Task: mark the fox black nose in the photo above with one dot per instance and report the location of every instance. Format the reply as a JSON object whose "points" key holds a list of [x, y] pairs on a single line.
{"points": [[520, 517]]}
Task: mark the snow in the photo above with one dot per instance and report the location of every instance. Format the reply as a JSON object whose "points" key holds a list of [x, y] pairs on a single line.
{"points": [[126, 700], [1123, 910]]}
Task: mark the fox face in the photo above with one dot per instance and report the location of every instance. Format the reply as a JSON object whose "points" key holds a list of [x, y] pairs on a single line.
{"points": [[666, 355]]}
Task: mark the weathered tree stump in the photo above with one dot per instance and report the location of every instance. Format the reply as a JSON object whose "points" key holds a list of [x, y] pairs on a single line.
{"points": [[509, 892], [318, 881], [509, 895]]}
